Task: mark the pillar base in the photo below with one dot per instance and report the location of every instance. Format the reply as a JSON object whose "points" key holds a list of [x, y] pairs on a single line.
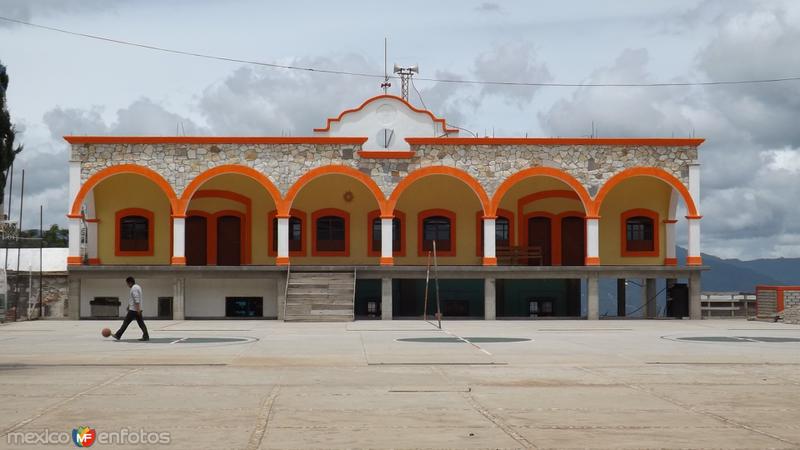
{"points": [[592, 261], [94, 261], [282, 261], [178, 260], [387, 261], [489, 261], [74, 260], [694, 261], [670, 261]]}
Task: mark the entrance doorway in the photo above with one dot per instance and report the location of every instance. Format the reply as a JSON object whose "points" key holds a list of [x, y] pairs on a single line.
{"points": [[196, 241], [573, 241], [229, 241], [539, 229]]}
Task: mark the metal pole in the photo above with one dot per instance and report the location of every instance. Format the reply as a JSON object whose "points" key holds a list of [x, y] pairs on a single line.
{"points": [[19, 230], [8, 217], [436, 279], [427, 281], [41, 244]]}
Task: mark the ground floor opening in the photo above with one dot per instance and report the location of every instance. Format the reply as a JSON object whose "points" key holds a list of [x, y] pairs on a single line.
{"points": [[537, 299]]}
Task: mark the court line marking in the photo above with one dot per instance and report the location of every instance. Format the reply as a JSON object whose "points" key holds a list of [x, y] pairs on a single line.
{"points": [[468, 342], [57, 405]]}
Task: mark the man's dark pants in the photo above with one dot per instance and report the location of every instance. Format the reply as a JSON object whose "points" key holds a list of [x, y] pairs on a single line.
{"points": [[128, 319]]}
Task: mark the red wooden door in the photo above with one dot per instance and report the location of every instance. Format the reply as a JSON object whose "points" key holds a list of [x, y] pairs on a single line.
{"points": [[573, 241], [539, 236], [196, 241], [229, 241]]}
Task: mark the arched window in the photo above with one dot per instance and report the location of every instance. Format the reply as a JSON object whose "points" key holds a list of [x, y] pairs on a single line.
{"points": [[639, 233], [331, 233], [374, 233], [134, 228], [133, 234], [437, 225], [502, 232]]}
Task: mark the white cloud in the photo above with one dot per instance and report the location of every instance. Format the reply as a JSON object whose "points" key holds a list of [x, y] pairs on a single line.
{"points": [[514, 61]]}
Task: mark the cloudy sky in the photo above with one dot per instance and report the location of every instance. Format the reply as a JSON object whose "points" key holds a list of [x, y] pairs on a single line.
{"points": [[63, 84]]}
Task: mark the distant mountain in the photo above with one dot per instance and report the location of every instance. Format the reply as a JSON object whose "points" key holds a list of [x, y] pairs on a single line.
{"points": [[785, 270], [743, 276]]}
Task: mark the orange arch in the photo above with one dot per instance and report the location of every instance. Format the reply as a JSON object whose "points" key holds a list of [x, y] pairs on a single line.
{"points": [[653, 172], [552, 172], [291, 194], [249, 172], [440, 170], [98, 177]]}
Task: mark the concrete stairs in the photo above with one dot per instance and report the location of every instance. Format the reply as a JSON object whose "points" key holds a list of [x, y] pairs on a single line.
{"points": [[320, 297]]}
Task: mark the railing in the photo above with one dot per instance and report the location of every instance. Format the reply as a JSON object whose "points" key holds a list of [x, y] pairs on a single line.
{"points": [[519, 255], [720, 305]]}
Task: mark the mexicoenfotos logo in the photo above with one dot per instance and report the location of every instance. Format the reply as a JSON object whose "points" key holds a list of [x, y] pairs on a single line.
{"points": [[84, 436]]}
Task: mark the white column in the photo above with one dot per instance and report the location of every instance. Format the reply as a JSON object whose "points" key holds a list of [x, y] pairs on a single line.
{"points": [[74, 180], [74, 255], [490, 299], [178, 240], [283, 241], [593, 297], [386, 299], [489, 250], [592, 241], [91, 238], [669, 242], [694, 259], [694, 183], [695, 305], [386, 241]]}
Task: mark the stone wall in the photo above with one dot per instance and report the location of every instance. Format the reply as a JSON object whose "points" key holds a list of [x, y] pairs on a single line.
{"points": [[791, 307], [54, 286], [592, 165]]}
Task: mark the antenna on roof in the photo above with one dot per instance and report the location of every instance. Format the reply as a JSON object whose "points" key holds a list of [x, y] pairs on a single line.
{"points": [[405, 76], [385, 85]]}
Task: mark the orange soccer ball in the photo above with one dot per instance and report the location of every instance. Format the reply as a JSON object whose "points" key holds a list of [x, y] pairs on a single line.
{"points": [[106, 332]]}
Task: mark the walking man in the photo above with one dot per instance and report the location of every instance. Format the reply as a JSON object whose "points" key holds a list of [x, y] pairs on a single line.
{"points": [[134, 311]]}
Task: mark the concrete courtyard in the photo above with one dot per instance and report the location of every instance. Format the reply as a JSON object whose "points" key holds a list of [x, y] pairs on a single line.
{"points": [[267, 384]]}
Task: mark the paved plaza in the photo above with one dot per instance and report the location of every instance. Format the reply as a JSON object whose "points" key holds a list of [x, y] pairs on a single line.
{"points": [[406, 384]]}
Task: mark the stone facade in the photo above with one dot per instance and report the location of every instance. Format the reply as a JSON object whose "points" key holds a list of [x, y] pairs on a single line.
{"points": [[791, 307], [592, 165]]}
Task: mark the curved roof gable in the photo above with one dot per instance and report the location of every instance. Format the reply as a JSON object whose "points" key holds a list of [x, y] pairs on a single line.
{"points": [[386, 121]]}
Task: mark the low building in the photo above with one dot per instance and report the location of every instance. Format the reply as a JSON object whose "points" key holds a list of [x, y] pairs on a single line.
{"points": [[341, 223]]}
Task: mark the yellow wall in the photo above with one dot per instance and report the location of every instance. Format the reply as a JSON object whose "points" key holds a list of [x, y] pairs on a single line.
{"points": [[262, 204], [641, 192], [212, 205], [551, 205], [328, 191], [441, 192], [131, 191]]}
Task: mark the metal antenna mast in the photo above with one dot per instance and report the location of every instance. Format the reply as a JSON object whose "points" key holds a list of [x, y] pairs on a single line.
{"points": [[386, 84], [405, 75]]}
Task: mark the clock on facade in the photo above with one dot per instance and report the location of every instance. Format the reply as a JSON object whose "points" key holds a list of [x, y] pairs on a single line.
{"points": [[385, 137]]}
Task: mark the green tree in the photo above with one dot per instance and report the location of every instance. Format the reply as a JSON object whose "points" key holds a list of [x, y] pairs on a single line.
{"points": [[8, 149]]}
